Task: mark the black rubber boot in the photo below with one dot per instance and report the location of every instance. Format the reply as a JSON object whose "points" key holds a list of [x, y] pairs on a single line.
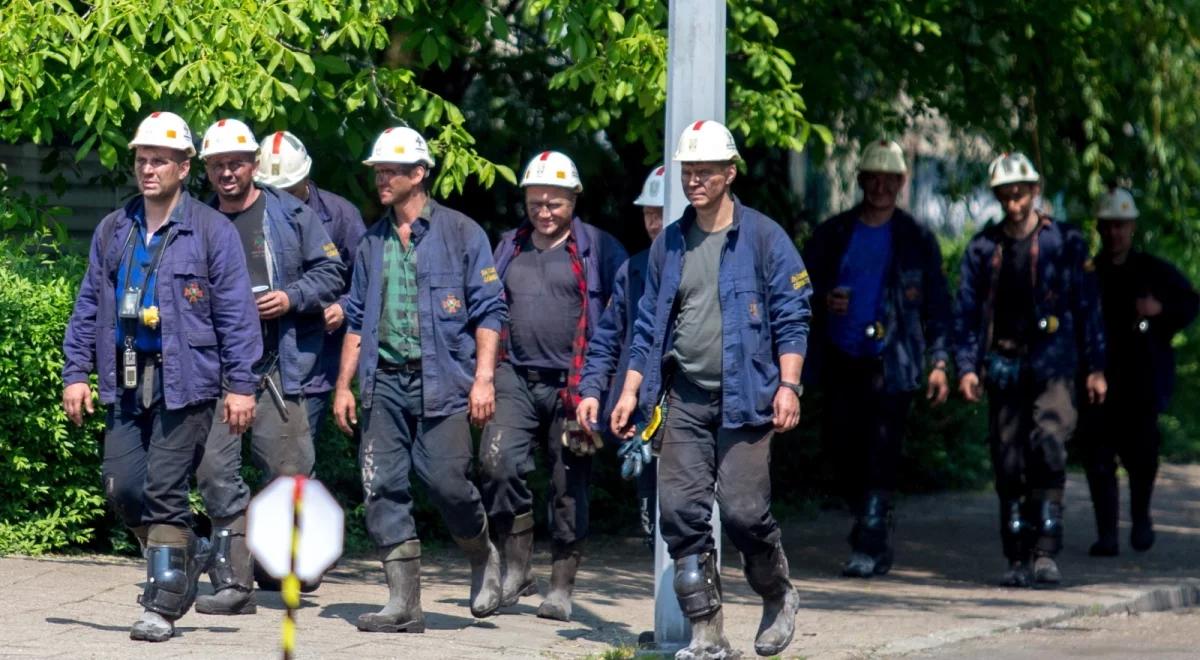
{"points": [[1017, 575], [557, 604], [267, 583], [485, 573], [1141, 487], [708, 640], [767, 574], [232, 572], [870, 539], [1105, 497], [516, 559], [402, 613]]}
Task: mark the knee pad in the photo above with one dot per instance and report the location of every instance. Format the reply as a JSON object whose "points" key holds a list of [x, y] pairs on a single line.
{"points": [[170, 586], [1049, 524], [231, 563], [1014, 529], [698, 585]]}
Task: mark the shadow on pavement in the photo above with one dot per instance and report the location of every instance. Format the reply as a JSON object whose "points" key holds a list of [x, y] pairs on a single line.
{"points": [[179, 630], [349, 612]]}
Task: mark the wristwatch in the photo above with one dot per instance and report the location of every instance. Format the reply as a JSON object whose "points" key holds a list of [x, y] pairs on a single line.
{"points": [[795, 387]]}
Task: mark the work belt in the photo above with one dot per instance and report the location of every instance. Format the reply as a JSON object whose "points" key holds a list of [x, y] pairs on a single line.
{"points": [[410, 367], [556, 377]]}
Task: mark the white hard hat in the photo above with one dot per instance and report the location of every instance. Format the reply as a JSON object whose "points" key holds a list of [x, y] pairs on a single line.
{"points": [[706, 141], [884, 156], [552, 168], [283, 161], [227, 136], [1117, 204], [400, 145], [164, 129], [653, 191], [1011, 168]]}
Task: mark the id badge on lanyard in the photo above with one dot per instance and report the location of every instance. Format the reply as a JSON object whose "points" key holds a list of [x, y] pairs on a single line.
{"points": [[131, 311]]}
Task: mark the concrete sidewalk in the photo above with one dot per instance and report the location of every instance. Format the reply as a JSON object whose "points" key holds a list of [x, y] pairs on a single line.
{"points": [[941, 591]]}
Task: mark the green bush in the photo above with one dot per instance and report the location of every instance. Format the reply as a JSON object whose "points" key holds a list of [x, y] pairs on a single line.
{"points": [[50, 492]]}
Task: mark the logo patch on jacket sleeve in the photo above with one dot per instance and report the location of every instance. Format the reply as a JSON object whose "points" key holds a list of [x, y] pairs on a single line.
{"points": [[330, 249], [800, 280], [193, 292], [451, 303], [754, 310], [489, 275]]}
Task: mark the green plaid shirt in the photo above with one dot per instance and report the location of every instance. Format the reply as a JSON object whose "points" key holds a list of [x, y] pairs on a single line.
{"points": [[399, 329]]}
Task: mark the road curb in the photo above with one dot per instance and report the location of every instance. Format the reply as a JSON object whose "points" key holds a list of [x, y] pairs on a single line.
{"points": [[1157, 599]]}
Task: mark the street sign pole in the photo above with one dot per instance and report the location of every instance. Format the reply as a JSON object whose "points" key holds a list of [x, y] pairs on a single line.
{"points": [[695, 90]]}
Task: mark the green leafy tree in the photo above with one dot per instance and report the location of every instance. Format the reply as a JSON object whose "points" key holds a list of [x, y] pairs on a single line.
{"points": [[88, 71]]}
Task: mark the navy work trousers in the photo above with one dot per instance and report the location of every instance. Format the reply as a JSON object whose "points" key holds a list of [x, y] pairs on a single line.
{"points": [[700, 461], [528, 414], [396, 440]]}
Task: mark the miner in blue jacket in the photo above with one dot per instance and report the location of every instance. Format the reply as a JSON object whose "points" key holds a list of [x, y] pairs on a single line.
{"points": [[558, 275], [722, 329], [1146, 302], [295, 273], [608, 349], [1028, 320], [883, 315], [424, 316], [165, 318], [284, 163]]}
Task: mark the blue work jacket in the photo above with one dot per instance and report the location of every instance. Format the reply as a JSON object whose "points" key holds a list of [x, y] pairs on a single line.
{"points": [[765, 311], [208, 319], [607, 360], [345, 227], [1066, 288], [458, 291], [914, 307], [304, 264], [602, 256]]}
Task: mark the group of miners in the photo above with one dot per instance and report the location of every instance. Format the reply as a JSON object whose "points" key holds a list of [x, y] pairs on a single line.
{"points": [[207, 319]]}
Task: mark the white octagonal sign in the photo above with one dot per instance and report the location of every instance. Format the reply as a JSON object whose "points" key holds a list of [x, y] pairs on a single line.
{"points": [[269, 528]]}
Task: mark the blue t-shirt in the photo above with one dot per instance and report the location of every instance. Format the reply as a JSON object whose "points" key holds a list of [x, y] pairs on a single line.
{"points": [[862, 270], [140, 270]]}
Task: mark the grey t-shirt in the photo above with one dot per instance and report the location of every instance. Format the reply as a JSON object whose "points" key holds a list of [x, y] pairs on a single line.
{"points": [[697, 338], [543, 307]]}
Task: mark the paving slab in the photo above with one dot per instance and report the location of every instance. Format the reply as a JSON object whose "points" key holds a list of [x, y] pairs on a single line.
{"points": [[942, 591]]}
